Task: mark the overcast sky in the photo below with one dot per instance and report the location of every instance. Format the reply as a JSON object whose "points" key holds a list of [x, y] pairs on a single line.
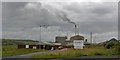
{"points": [[21, 20]]}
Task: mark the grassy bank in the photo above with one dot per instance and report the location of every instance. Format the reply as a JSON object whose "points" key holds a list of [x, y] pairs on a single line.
{"points": [[11, 50], [91, 51]]}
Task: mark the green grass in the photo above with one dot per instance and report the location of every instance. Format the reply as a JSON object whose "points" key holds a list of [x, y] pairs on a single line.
{"points": [[11, 50], [91, 51]]}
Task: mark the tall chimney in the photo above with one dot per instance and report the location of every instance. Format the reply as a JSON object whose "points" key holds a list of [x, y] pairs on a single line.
{"points": [[78, 31], [75, 29]]}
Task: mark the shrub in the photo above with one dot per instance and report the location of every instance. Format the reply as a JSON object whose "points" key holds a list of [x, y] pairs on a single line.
{"points": [[97, 53], [113, 43], [117, 48], [109, 45]]}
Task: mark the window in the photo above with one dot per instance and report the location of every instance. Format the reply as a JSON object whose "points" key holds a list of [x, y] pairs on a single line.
{"points": [[27, 46]]}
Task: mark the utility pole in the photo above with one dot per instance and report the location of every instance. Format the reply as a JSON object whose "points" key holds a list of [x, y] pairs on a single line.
{"points": [[90, 37], [95, 39], [41, 32]]}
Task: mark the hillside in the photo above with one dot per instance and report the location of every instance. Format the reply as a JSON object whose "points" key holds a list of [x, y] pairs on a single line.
{"points": [[17, 41], [111, 40]]}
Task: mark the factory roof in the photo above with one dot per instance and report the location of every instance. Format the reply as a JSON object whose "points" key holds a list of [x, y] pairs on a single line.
{"points": [[77, 37]]}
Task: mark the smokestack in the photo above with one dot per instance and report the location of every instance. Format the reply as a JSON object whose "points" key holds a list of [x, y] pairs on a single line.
{"points": [[75, 29], [78, 31]]}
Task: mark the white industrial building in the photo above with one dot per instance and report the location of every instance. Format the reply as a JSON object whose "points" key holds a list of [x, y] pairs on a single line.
{"points": [[76, 41]]}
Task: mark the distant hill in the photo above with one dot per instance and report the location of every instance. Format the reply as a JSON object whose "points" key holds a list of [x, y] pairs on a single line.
{"points": [[111, 43], [17, 41], [111, 40]]}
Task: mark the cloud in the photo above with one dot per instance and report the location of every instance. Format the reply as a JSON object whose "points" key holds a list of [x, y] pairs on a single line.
{"points": [[23, 20], [60, 0]]}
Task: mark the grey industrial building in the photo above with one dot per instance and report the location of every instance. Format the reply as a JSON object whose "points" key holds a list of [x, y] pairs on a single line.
{"points": [[65, 42]]}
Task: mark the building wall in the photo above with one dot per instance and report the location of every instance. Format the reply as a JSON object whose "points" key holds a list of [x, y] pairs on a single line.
{"points": [[78, 44], [61, 40], [21, 46], [77, 37], [46, 47], [31, 46]]}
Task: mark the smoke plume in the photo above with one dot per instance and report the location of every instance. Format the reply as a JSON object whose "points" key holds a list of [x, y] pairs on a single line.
{"points": [[64, 17]]}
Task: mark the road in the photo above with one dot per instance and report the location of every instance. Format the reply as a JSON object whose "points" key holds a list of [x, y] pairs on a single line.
{"points": [[76, 58], [32, 54], [27, 55]]}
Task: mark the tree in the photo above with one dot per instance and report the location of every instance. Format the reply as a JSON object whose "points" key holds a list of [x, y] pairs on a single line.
{"points": [[111, 43]]}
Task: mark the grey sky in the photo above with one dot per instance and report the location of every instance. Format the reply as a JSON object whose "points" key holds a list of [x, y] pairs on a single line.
{"points": [[22, 19]]}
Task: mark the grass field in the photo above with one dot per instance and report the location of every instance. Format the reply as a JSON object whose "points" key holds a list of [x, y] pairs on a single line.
{"points": [[91, 51], [11, 50]]}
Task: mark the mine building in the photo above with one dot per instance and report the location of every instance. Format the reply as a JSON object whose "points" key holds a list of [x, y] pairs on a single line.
{"points": [[76, 42], [61, 40]]}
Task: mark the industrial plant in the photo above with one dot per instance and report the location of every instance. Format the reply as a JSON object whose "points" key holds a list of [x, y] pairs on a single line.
{"points": [[77, 42]]}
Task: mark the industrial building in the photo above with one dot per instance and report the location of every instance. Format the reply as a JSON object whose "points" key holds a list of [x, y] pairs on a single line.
{"points": [[60, 42], [77, 37], [43, 45], [76, 41]]}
